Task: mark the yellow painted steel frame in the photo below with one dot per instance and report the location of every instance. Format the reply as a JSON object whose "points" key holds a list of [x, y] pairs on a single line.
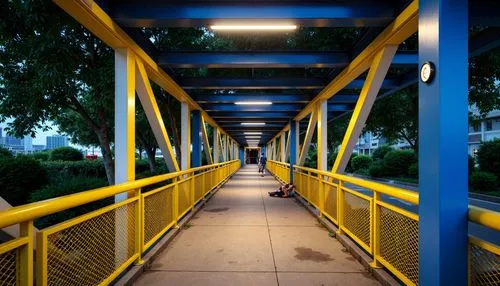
{"points": [[307, 140], [93, 17], [405, 25], [148, 101], [206, 142], [89, 238], [373, 82], [392, 232]]}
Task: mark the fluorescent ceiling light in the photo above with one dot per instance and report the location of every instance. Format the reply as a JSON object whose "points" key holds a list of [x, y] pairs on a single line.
{"points": [[253, 123], [253, 103], [252, 137], [261, 27], [253, 133]]}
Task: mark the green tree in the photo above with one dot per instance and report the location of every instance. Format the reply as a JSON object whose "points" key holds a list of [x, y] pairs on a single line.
{"points": [[488, 157], [379, 153], [66, 154], [55, 70], [5, 153], [395, 117]]}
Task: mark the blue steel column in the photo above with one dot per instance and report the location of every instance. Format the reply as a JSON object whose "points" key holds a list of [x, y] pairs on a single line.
{"points": [[242, 156], [443, 107], [293, 148], [196, 138]]}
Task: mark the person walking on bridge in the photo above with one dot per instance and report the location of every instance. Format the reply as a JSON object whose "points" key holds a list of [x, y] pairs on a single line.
{"points": [[262, 164]]}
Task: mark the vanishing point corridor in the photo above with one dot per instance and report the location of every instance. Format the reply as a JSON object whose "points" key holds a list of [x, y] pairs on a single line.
{"points": [[244, 237]]}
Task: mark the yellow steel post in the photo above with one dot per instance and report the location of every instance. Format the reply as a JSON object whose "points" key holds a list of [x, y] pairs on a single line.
{"points": [[175, 201], [308, 187], [375, 230], [139, 227], [41, 259], [25, 264], [340, 207], [321, 202], [192, 190]]}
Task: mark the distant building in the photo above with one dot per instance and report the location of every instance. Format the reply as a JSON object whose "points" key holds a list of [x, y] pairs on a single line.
{"points": [[485, 130], [56, 141], [38, 148], [27, 142]]}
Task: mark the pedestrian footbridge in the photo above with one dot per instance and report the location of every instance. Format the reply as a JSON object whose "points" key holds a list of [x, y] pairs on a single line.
{"points": [[211, 223]]}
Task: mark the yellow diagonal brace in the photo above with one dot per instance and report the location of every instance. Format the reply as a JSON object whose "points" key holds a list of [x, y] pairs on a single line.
{"points": [[405, 25], [372, 85], [309, 134], [148, 101], [206, 143], [97, 21]]}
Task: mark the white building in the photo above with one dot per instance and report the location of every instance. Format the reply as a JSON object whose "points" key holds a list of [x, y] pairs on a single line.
{"points": [[485, 130], [56, 141]]}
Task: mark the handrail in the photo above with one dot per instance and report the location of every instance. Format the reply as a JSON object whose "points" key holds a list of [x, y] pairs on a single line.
{"points": [[399, 193], [485, 217], [279, 163], [35, 210]]}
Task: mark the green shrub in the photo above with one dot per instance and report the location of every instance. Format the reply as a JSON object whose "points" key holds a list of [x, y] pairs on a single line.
{"points": [[141, 166], [363, 172], [483, 181], [349, 168], [61, 170], [5, 153], [488, 157], [41, 156], [397, 162], [19, 177], [66, 154], [413, 170], [379, 153], [70, 186], [377, 170], [361, 162]]}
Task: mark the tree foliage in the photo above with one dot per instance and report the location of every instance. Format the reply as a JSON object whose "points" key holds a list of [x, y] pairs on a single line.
{"points": [[66, 154]]}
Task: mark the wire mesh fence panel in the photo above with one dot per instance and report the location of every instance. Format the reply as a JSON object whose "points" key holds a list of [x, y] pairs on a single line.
{"points": [[399, 243], [199, 189], [330, 201], [158, 213], [184, 197], [8, 273], [87, 251], [314, 191], [484, 264], [356, 217]]}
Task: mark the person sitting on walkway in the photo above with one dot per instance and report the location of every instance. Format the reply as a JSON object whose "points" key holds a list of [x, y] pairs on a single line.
{"points": [[284, 191]]}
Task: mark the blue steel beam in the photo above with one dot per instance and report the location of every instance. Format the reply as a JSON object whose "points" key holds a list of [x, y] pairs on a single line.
{"points": [[484, 41], [273, 107], [442, 156], [260, 115], [305, 14], [218, 98], [275, 98], [270, 83], [266, 59], [236, 124]]}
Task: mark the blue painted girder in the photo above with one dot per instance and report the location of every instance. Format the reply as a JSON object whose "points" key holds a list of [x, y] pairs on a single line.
{"points": [[270, 83], [275, 98], [305, 14], [265, 59], [273, 107]]}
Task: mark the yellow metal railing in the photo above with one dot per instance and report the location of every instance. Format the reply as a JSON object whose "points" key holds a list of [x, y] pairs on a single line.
{"points": [[387, 232], [98, 246]]}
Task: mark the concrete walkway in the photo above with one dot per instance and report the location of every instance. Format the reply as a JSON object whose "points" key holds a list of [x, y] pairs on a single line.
{"points": [[245, 237]]}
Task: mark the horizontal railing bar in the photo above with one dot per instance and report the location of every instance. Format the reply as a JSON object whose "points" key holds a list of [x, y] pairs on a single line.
{"points": [[35, 210]]}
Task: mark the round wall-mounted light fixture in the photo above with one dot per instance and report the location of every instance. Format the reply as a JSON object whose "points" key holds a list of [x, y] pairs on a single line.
{"points": [[427, 72]]}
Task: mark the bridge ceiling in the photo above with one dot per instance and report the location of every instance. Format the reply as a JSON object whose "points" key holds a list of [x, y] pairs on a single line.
{"points": [[284, 68]]}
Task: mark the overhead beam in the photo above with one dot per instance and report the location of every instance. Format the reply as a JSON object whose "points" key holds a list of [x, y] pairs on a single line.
{"points": [[96, 20], [211, 98], [305, 14], [252, 114], [266, 59], [405, 25], [271, 83]]}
